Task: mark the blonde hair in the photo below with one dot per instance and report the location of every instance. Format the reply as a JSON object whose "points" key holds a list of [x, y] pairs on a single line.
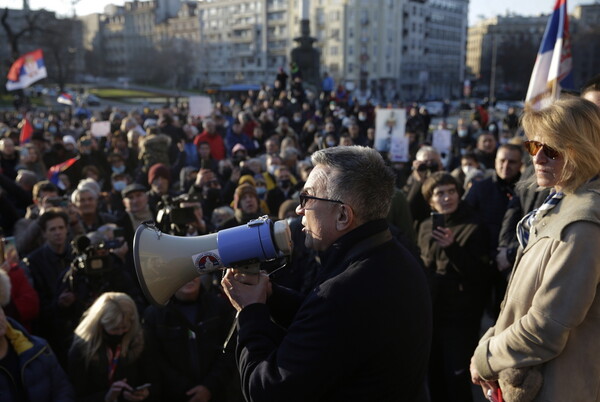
{"points": [[572, 126], [109, 311]]}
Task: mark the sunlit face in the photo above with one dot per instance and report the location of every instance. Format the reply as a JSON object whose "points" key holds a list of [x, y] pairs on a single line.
{"points": [[56, 232], [135, 202], [508, 164], [249, 204], [318, 217], [445, 199], [486, 143], [548, 171], [86, 203]]}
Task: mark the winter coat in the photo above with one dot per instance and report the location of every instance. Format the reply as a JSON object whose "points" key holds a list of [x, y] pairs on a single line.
{"points": [[362, 334], [550, 315], [41, 376]]}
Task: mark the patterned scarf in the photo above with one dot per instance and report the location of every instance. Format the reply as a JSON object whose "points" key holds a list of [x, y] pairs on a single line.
{"points": [[525, 224]]}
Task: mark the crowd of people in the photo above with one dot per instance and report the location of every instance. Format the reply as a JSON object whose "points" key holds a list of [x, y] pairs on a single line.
{"points": [[71, 201]]}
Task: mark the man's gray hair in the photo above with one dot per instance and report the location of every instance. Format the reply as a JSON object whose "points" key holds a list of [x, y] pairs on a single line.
{"points": [[360, 178]]}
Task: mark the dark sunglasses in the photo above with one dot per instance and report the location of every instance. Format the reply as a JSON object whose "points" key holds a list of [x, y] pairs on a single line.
{"points": [[305, 197], [533, 147]]}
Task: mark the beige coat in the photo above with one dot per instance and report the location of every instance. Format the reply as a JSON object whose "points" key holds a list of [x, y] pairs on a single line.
{"points": [[551, 312]]}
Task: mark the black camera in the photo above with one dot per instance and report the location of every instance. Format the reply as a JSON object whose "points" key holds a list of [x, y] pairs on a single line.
{"points": [[173, 219], [91, 259], [428, 166]]}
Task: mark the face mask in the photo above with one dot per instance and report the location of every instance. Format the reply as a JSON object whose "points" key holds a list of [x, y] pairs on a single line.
{"points": [[466, 169], [38, 126], [462, 133], [331, 143], [112, 340], [311, 127], [297, 119], [52, 129], [504, 140], [261, 191], [285, 184], [119, 185], [362, 117], [116, 169]]}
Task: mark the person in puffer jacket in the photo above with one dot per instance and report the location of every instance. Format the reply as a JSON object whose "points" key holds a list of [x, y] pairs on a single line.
{"points": [[29, 370]]}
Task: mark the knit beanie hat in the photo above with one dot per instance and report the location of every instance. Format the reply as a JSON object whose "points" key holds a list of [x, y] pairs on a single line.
{"points": [[158, 170], [4, 288], [242, 190]]}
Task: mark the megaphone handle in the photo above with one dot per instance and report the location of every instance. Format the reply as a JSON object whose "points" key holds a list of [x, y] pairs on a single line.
{"points": [[231, 331]]}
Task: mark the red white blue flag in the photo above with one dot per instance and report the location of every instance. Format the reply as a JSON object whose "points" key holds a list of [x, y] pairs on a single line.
{"points": [[55, 171], [65, 99], [554, 62], [26, 131], [28, 69]]}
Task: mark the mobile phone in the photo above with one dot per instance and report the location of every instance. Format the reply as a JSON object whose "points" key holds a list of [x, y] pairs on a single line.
{"points": [[438, 220], [143, 386]]}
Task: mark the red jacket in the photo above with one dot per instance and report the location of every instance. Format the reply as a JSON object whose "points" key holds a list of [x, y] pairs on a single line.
{"points": [[216, 143], [24, 303]]}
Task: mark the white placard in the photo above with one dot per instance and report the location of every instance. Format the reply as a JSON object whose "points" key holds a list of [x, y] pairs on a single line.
{"points": [[200, 106], [442, 141], [399, 150], [389, 125], [100, 128]]}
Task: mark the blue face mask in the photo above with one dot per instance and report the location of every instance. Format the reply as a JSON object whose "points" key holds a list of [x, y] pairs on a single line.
{"points": [[261, 191], [119, 185], [116, 169], [52, 129], [462, 133]]}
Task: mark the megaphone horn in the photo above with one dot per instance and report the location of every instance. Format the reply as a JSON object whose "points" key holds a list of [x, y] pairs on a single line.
{"points": [[164, 263]]}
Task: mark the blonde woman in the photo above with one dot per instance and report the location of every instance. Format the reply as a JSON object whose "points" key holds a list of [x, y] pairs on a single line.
{"points": [[107, 361], [544, 344]]}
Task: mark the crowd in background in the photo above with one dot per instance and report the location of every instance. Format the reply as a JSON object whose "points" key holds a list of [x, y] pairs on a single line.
{"points": [[70, 202]]}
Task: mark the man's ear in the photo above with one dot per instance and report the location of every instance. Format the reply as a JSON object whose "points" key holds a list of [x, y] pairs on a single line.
{"points": [[345, 218]]}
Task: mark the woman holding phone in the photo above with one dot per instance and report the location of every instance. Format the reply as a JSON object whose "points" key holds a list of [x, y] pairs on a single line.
{"points": [[549, 324], [108, 360], [454, 248]]}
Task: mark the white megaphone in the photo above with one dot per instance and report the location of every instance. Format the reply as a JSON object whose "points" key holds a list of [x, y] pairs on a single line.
{"points": [[164, 263]]}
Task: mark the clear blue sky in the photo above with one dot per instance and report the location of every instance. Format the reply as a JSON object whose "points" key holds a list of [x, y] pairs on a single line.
{"points": [[487, 8]]}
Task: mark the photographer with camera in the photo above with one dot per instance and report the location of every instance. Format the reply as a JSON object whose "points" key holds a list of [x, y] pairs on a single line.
{"points": [[183, 216], [427, 161], [96, 269]]}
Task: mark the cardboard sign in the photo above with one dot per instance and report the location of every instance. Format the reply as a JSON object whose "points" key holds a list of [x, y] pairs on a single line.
{"points": [[442, 141], [390, 126], [200, 106], [100, 128]]}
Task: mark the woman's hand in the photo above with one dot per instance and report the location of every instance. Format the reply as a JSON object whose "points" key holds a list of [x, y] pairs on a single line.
{"points": [[138, 395], [443, 236], [115, 390], [487, 387]]}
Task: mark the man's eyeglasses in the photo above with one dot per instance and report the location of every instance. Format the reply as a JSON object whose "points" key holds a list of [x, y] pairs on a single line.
{"points": [[305, 197], [533, 147]]}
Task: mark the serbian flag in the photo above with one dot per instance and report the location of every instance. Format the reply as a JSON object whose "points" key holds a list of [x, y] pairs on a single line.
{"points": [[554, 62], [56, 170], [26, 132], [65, 99], [28, 69]]}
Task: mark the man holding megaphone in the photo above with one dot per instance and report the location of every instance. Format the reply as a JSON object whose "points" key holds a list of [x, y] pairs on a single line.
{"points": [[363, 333]]}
